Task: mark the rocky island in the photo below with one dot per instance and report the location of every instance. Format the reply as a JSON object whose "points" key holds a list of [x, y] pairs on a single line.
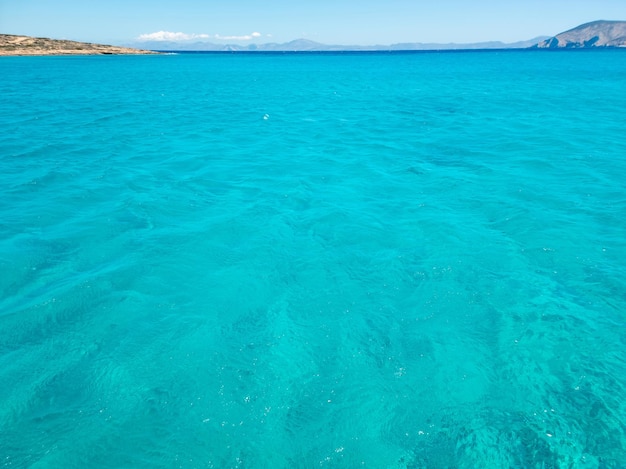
{"points": [[594, 34], [26, 45]]}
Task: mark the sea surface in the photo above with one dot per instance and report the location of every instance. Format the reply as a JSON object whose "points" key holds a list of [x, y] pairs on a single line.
{"points": [[389, 260]]}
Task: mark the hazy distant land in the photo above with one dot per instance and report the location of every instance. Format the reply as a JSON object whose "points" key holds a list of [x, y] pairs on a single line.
{"points": [[306, 45], [589, 35]]}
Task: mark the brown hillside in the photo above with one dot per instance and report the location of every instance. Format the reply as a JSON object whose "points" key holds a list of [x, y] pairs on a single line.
{"points": [[26, 45]]}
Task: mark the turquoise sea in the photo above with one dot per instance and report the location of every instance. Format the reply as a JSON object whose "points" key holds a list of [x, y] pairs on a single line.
{"points": [[390, 260]]}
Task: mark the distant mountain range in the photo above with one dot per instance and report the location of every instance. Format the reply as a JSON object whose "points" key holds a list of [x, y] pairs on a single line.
{"points": [[594, 34], [305, 45]]}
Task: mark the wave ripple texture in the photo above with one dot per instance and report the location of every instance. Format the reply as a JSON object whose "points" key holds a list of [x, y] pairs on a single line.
{"points": [[313, 260]]}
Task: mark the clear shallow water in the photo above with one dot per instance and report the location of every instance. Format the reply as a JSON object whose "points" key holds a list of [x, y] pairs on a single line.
{"points": [[388, 261]]}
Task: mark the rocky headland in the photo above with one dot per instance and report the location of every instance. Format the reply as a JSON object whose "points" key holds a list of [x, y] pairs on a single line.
{"points": [[594, 34], [26, 45]]}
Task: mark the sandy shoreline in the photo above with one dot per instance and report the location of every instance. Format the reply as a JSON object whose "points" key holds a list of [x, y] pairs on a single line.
{"points": [[11, 45]]}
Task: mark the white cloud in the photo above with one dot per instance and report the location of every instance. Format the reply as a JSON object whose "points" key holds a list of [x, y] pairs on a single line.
{"points": [[172, 36]]}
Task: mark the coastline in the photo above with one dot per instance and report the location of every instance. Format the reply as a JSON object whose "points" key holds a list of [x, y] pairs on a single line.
{"points": [[11, 45]]}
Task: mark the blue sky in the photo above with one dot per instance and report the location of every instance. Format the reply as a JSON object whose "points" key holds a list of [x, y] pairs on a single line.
{"points": [[362, 22]]}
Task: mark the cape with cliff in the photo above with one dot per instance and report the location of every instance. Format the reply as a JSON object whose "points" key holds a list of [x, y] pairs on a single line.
{"points": [[589, 35], [597, 34]]}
